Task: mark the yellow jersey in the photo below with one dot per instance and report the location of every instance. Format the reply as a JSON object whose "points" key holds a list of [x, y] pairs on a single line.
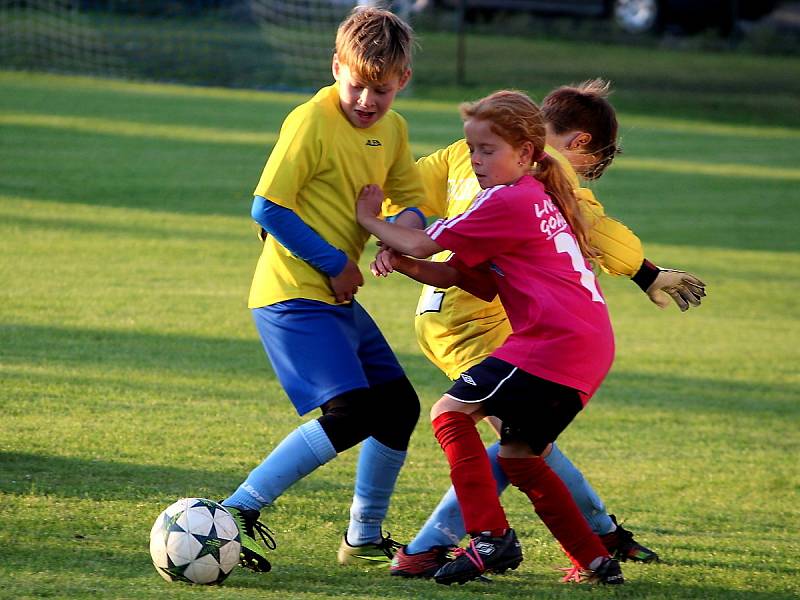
{"points": [[317, 169], [456, 330]]}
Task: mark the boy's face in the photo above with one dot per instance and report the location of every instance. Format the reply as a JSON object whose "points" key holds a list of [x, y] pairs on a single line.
{"points": [[573, 145], [494, 160], [365, 103]]}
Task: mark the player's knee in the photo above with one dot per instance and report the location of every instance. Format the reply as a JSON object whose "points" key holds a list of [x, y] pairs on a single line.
{"points": [[345, 419], [399, 412], [447, 404], [437, 409], [510, 448]]}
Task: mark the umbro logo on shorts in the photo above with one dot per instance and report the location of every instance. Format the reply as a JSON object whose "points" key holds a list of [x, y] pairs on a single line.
{"points": [[374, 143], [468, 379]]}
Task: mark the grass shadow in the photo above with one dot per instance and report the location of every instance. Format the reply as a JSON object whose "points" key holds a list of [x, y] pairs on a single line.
{"points": [[71, 350], [24, 473]]}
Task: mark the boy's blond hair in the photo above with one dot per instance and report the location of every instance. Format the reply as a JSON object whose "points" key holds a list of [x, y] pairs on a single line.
{"points": [[374, 44]]}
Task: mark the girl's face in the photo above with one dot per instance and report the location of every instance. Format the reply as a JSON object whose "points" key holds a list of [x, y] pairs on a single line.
{"points": [[494, 160], [365, 103]]}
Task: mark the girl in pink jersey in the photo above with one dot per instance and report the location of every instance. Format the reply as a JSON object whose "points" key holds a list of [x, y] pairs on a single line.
{"points": [[522, 239]]}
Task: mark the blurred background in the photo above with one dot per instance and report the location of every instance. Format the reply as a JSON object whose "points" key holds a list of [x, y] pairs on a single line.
{"points": [[132, 133], [286, 44]]}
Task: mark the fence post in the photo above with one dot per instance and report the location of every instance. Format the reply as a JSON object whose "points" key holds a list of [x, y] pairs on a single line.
{"points": [[461, 43]]}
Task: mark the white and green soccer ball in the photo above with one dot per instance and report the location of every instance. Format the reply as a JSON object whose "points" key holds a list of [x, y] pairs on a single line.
{"points": [[196, 541]]}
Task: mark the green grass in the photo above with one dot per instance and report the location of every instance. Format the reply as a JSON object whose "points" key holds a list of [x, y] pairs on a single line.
{"points": [[131, 375]]}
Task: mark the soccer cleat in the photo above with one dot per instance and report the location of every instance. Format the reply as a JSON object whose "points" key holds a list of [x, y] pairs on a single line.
{"points": [[372, 553], [609, 573], [422, 564], [484, 553], [252, 555], [623, 547]]}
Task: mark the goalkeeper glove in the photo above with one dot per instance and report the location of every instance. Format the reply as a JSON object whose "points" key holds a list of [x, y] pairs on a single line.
{"points": [[662, 284]]}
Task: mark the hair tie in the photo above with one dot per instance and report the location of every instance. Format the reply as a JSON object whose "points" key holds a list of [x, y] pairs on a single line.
{"points": [[542, 155]]}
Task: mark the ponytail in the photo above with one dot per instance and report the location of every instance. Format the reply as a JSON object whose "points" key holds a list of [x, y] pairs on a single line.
{"points": [[552, 175]]}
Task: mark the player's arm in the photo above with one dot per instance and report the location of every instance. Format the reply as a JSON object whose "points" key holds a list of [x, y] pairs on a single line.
{"points": [[301, 240], [621, 253], [437, 274], [405, 240], [409, 217], [477, 282]]}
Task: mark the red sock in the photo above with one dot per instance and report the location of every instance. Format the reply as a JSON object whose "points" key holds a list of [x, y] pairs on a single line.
{"points": [[471, 473], [556, 508]]}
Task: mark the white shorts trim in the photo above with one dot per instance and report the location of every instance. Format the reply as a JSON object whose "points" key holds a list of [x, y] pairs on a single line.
{"points": [[490, 394]]}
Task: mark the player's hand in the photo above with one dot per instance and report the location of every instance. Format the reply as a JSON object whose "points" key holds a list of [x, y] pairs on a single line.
{"points": [[261, 234], [682, 287], [385, 262], [345, 285], [369, 203]]}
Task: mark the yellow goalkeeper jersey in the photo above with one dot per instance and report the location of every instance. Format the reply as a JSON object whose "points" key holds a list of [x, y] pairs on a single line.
{"points": [[455, 329]]}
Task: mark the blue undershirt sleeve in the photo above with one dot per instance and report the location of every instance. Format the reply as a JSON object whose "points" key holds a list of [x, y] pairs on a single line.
{"points": [[296, 236], [413, 209]]}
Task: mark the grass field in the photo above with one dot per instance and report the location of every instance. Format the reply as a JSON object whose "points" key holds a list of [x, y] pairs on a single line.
{"points": [[131, 375]]}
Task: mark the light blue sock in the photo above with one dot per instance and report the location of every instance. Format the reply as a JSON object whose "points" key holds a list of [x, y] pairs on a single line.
{"points": [[300, 452], [376, 475], [585, 497], [445, 526]]}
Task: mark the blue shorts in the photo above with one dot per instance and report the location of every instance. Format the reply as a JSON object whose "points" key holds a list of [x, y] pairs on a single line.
{"points": [[319, 351]]}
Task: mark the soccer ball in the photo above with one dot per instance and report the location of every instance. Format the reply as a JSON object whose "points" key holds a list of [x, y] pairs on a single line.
{"points": [[195, 540]]}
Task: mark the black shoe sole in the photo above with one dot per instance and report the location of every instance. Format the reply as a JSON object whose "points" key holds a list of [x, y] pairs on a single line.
{"points": [[261, 566], [501, 568], [410, 576]]}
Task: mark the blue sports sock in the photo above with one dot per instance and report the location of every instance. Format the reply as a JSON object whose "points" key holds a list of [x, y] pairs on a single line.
{"points": [[445, 526], [584, 495], [376, 475], [300, 452]]}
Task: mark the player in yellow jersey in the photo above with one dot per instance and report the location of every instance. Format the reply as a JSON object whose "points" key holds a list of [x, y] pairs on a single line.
{"points": [[325, 349], [457, 330]]}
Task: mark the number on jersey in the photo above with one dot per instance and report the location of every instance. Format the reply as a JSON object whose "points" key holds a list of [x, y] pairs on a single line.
{"points": [[565, 242]]}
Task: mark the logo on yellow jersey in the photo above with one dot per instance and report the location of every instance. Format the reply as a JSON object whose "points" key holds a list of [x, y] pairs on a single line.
{"points": [[374, 143]]}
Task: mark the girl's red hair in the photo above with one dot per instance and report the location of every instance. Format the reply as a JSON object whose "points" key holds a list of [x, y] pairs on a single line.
{"points": [[517, 119]]}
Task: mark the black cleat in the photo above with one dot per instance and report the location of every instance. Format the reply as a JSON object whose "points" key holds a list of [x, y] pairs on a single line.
{"points": [[623, 547], [253, 555], [484, 553], [609, 572]]}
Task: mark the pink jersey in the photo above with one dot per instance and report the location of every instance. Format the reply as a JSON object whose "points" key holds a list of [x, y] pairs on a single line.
{"points": [[513, 241]]}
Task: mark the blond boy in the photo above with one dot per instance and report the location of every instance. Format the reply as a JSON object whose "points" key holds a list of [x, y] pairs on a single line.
{"points": [[325, 349]]}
